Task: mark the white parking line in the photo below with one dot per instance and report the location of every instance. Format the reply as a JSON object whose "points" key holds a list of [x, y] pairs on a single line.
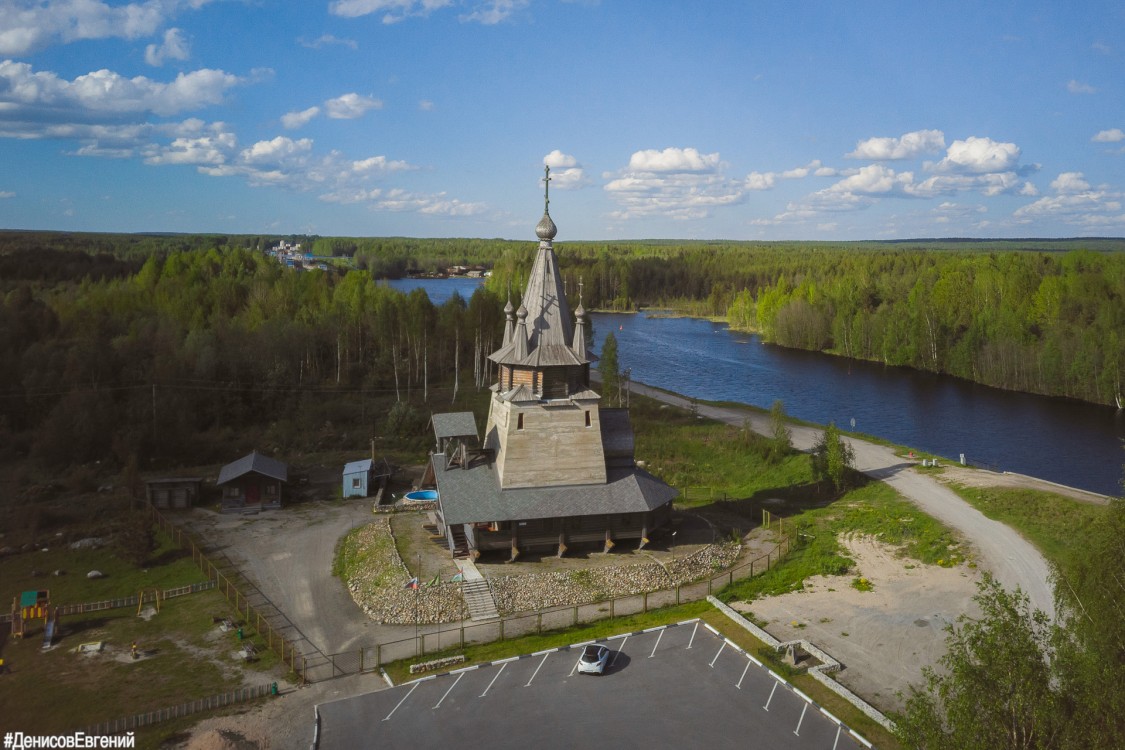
{"points": [[772, 691], [693, 630], [837, 740], [447, 692], [408, 694], [618, 652], [537, 670], [740, 679], [502, 668], [657, 644], [712, 665], [804, 708]]}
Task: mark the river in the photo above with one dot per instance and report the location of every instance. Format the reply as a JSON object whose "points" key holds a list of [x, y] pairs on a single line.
{"points": [[1069, 442]]}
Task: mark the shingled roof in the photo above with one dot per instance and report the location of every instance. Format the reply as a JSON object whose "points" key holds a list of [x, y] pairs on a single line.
{"points": [[473, 495], [454, 424], [257, 463]]}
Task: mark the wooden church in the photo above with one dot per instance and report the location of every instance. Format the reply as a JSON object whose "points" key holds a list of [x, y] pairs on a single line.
{"points": [[555, 468]]}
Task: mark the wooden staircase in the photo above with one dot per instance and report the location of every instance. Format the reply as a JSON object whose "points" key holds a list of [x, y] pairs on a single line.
{"points": [[460, 543], [478, 598]]}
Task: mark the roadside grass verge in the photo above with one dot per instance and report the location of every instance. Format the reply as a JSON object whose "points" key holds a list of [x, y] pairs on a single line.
{"points": [[56, 691], [686, 451], [168, 566], [488, 652], [1055, 524], [367, 553], [874, 510]]}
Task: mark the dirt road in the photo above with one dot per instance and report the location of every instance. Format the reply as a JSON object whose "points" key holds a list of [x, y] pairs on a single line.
{"points": [[999, 549]]}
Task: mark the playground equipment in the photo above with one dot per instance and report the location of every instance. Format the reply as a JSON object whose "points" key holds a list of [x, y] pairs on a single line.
{"points": [[51, 628], [29, 605], [141, 599]]}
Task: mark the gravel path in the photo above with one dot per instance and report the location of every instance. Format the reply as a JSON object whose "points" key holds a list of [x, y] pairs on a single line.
{"points": [[1010, 558]]}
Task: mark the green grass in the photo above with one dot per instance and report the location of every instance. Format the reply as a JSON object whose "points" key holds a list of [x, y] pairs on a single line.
{"points": [[60, 691], [688, 452], [365, 555], [170, 567], [1053, 523], [872, 510]]}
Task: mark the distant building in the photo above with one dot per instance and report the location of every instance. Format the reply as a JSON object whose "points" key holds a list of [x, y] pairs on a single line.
{"points": [[174, 493], [555, 468], [361, 477], [252, 483]]}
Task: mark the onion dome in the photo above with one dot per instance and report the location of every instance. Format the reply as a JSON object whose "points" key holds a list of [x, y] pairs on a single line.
{"points": [[546, 229]]}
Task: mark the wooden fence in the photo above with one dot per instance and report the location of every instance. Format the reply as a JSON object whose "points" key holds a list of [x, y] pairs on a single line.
{"points": [[128, 601], [436, 639], [136, 721], [275, 642]]}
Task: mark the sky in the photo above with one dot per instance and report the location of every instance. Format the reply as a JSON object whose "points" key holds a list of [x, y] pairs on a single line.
{"points": [[745, 120]]}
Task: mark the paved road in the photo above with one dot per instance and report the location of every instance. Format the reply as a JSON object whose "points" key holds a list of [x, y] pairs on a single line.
{"points": [[1011, 559]]}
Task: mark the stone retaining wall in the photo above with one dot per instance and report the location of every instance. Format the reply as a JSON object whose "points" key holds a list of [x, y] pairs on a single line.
{"points": [[443, 602]]}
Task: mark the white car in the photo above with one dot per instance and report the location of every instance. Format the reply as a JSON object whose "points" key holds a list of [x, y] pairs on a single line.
{"points": [[593, 660]]}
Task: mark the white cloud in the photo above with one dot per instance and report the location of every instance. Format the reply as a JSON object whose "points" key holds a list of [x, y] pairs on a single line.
{"points": [[674, 183], [294, 120], [275, 151], [801, 172], [766, 180], [1029, 189], [978, 156], [212, 148], [494, 11], [988, 184], [393, 10], [7, 194], [1070, 182], [558, 160], [327, 39], [1077, 87], [760, 180], [1075, 203], [872, 179], [908, 146], [30, 25], [673, 160], [566, 172], [103, 91], [398, 200], [174, 47], [350, 106], [425, 105], [1114, 135], [375, 164]]}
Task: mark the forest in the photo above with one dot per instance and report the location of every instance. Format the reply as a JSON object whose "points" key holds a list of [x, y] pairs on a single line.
{"points": [[176, 344]]}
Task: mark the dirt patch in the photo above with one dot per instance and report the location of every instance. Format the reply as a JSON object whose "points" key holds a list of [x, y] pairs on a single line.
{"points": [[885, 635]]}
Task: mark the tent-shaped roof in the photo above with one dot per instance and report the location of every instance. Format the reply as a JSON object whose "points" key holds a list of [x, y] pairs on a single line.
{"points": [[256, 463], [459, 424]]}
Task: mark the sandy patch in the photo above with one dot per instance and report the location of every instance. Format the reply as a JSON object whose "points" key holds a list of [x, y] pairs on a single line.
{"points": [[882, 637]]}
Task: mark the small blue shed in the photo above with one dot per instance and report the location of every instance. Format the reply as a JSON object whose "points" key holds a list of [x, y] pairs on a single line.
{"points": [[357, 476]]}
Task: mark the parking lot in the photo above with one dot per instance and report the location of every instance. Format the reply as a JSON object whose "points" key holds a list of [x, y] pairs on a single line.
{"points": [[678, 686]]}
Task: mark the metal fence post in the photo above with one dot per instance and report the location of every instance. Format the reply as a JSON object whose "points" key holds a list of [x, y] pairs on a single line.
{"points": [[646, 602]]}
